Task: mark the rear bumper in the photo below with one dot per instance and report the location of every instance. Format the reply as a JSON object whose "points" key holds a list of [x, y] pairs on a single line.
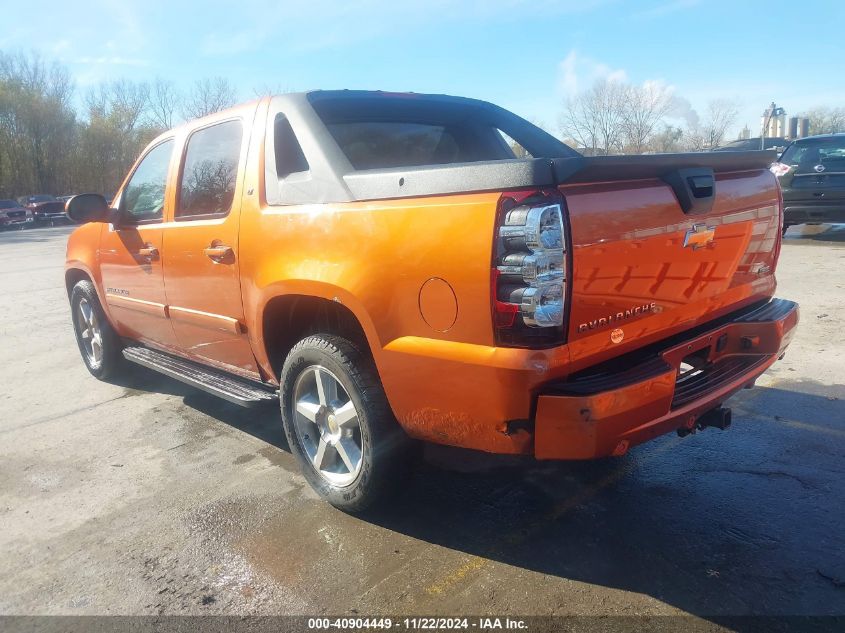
{"points": [[49, 216], [601, 414], [832, 211]]}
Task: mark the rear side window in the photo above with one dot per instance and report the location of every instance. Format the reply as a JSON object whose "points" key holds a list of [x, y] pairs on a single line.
{"points": [[289, 156], [210, 171], [518, 150], [143, 197], [828, 152]]}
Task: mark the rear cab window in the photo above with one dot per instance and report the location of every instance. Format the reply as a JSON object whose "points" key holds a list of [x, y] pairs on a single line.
{"points": [[377, 144], [379, 133], [209, 171]]}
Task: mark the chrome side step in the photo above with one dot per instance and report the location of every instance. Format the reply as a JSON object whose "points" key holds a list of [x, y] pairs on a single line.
{"points": [[232, 388]]}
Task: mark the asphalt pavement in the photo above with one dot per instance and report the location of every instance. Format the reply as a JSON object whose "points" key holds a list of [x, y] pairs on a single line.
{"points": [[146, 496]]}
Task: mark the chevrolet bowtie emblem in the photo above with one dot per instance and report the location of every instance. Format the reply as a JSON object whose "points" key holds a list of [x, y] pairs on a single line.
{"points": [[699, 235]]}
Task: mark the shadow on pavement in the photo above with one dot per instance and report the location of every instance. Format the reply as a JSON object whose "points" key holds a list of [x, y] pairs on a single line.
{"points": [[816, 233], [262, 422], [746, 521]]}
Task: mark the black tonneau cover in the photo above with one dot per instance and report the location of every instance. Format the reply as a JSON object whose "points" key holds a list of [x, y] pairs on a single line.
{"points": [[332, 178], [636, 167], [378, 184]]}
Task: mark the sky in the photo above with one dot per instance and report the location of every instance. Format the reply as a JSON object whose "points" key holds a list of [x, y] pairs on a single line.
{"points": [[526, 55]]}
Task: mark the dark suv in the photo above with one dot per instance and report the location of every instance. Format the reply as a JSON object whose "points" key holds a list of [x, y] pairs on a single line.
{"points": [[812, 176]]}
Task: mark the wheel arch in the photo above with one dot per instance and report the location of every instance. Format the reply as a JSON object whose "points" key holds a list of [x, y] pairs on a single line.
{"points": [[75, 274], [289, 317], [76, 271]]}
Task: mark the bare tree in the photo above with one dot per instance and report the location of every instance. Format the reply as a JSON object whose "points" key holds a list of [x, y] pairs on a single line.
{"points": [[667, 139], [208, 96], [710, 131], [124, 102], [164, 101], [270, 89], [594, 118], [826, 120], [645, 108], [116, 131]]}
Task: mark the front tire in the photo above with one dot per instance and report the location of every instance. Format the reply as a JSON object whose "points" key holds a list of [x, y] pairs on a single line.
{"points": [[98, 343], [339, 424]]}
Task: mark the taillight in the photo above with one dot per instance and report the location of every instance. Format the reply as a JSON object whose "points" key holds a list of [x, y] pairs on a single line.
{"points": [[779, 169], [529, 270]]}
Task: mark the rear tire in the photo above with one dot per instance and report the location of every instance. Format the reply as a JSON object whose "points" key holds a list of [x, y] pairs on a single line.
{"points": [[98, 343], [339, 424]]}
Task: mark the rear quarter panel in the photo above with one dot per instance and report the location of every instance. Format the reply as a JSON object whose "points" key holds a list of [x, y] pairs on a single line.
{"points": [[375, 258]]}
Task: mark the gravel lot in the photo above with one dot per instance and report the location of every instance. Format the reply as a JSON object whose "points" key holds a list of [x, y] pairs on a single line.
{"points": [[149, 497]]}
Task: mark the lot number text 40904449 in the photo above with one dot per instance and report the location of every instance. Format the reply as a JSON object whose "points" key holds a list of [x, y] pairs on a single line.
{"points": [[417, 623]]}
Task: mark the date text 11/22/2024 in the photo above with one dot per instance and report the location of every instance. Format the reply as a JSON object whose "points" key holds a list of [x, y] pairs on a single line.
{"points": [[417, 623]]}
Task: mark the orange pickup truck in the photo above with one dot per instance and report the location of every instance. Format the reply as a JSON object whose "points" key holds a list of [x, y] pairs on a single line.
{"points": [[394, 267]]}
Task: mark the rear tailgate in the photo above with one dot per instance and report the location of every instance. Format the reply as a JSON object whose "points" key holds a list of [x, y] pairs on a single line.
{"points": [[644, 269]]}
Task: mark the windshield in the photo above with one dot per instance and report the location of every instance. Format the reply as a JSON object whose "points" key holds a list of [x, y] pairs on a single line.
{"points": [[8, 204], [42, 198], [828, 152]]}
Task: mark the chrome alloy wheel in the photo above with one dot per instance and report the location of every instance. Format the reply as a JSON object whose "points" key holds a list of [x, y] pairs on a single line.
{"points": [[327, 425], [90, 332]]}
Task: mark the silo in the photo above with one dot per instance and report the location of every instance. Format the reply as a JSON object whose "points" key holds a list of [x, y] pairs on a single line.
{"points": [[780, 125], [803, 127], [793, 127]]}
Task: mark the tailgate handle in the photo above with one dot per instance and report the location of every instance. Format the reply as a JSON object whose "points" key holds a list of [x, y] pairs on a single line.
{"points": [[701, 186], [695, 188]]}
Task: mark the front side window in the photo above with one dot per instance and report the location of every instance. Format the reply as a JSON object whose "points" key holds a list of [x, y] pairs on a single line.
{"points": [[210, 170], [143, 198]]}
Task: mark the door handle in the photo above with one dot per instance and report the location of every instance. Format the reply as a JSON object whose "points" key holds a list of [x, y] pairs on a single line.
{"points": [[218, 253], [149, 252]]}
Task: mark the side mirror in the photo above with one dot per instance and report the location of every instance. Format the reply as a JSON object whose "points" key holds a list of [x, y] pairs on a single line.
{"points": [[88, 207]]}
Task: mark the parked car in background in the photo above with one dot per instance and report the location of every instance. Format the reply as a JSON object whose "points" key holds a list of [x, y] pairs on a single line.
{"points": [[46, 209], [64, 198], [812, 178], [13, 215], [751, 144]]}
